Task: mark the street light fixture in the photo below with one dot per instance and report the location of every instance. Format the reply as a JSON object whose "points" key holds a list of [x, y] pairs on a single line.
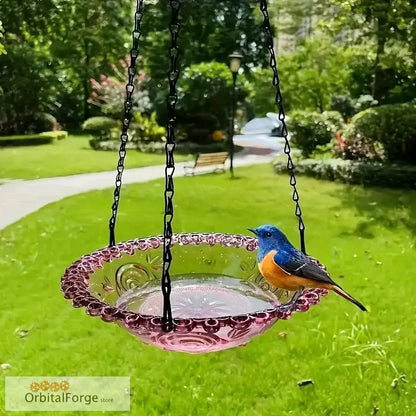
{"points": [[235, 63]]}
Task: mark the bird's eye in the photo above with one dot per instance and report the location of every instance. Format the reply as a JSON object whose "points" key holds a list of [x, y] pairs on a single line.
{"points": [[268, 234]]}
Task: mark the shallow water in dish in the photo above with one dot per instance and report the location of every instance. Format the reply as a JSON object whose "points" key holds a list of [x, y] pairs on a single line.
{"points": [[200, 296]]}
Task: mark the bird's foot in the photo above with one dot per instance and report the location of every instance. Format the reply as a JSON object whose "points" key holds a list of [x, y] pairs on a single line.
{"points": [[289, 305]]}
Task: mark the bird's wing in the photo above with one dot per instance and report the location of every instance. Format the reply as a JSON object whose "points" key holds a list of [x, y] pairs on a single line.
{"points": [[295, 262]]}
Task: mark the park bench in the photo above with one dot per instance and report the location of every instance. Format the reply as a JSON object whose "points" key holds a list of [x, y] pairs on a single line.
{"points": [[208, 159]]}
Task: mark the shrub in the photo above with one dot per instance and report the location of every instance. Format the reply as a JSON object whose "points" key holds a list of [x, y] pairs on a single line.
{"points": [[31, 139], [357, 148], [343, 104], [60, 134], [146, 129], [310, 129], [194, 148], [109, 93], [355, 172], [99, 123], [394, 126], [363, 102], [103, 128], [110, 145], [42, 122]]}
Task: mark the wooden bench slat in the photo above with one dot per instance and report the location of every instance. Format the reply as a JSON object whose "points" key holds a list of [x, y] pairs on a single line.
{"points": [[209, 159]]}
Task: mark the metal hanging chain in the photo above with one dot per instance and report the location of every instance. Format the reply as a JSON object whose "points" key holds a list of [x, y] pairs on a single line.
{"points": [[279, 103], [172, 99], [128, 104]]}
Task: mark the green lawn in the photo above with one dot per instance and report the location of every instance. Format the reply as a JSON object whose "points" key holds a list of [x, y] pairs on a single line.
{"points": [[366, 237], [67, 157]]}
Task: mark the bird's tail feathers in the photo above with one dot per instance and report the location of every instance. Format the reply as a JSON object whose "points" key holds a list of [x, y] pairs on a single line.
{"points": [[347, 296]]}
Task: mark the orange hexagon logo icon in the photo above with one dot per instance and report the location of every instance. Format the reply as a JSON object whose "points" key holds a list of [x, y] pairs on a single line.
{"points": [[54, 386], [64, 385], [34, 387], [44, 385]]}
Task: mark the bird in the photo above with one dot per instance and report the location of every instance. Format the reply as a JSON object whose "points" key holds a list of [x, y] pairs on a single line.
{"points": [[286, 267]]}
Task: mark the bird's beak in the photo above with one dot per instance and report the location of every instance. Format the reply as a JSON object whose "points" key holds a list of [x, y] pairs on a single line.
{"points": [[253, 230]]}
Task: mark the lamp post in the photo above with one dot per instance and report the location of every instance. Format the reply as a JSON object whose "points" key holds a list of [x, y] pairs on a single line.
{"points": [[235, 63]]}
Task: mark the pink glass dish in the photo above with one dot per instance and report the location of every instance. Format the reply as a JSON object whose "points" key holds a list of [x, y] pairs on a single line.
{"points": [[219, 299]]}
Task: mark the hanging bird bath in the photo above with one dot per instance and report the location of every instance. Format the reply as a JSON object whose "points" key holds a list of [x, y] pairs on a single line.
{"points": [[192, 293], [222, 304]]}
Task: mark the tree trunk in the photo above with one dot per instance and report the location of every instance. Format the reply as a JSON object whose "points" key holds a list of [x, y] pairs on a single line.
{"points": [[86, 80], [378, 92]]}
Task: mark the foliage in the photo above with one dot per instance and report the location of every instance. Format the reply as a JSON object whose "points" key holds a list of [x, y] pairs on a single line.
{"points": [[142, 129], [53, 48], [210, 31], [2, 49], [195, 148], [207, 88], [296, 17], [358, 148], [355, 172], [388, 30], [262, 92], [103, 128], [310, 129], [26, 88], [146, 129], [363, 102], [315, 72], [392, 125], [344, 104], [109, 93], [99, 123]]}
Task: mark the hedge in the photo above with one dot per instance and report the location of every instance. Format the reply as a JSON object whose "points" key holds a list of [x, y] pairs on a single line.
{"points": [[355, 172], [99, 123], [33, 139], [311, 129], [392, 125]]}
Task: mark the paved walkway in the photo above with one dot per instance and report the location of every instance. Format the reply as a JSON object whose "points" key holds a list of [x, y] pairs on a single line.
{"points": [[20, 198]]}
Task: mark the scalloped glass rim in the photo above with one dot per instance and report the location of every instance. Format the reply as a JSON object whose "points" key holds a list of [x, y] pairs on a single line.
{"points": [[75, 286]]}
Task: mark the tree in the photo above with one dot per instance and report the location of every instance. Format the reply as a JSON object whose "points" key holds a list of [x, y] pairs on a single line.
{"points": [[92, 36], [207, 88], [210, 31], [383, 22], [313, 74], [58, 45]]}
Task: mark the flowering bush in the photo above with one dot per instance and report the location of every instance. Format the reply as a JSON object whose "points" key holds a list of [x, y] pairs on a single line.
{"points": [[109, 93], [392, 126], [357, 148]]}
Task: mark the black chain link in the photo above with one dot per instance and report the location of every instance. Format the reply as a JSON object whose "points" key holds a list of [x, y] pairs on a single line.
{"points": [[279, 103], [128, 104], [172, 100]]}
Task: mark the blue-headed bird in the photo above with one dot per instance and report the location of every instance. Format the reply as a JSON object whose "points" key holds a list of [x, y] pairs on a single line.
{"points": [[285, 267]]}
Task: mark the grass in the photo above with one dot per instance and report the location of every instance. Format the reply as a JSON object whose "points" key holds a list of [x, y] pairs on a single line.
{"points": [[359, 362], [67, 157]]}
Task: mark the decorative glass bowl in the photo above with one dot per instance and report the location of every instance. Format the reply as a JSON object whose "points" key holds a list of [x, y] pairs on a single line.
{"points": [[219, 299]]}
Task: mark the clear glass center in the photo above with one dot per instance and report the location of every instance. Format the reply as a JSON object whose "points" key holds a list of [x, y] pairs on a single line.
{"points": [[199, 296]]}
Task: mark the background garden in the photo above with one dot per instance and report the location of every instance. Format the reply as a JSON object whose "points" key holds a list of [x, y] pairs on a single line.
{"points": [[348, 79]]}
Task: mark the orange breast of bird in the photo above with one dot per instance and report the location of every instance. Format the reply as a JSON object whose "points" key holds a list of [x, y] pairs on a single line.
{"points": [[282, 279]]}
